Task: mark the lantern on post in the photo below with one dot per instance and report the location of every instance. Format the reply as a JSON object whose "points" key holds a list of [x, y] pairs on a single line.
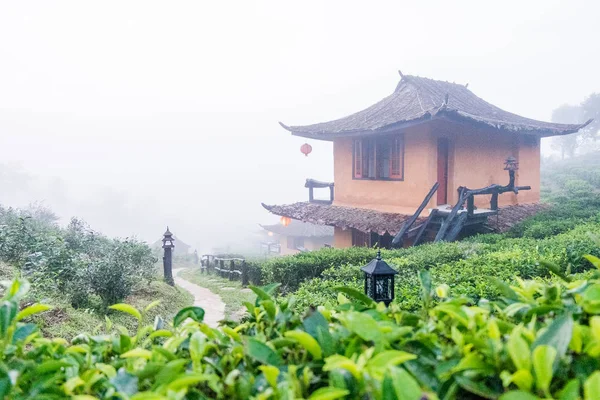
{"points": [[379, 280], [168, 246], [285, 221], [511, 164], [306, 149]]}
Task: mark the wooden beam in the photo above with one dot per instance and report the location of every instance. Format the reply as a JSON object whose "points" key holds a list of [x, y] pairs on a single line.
{"points": [[455, 231], [398, 238], [423, 227]]}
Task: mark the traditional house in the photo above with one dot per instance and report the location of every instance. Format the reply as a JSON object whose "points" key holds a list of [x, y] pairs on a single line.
{"points": [[388, 158], [295, 236]]}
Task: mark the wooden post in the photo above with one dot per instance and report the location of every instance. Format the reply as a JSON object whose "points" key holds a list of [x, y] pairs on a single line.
{"points": [[222, 268], [494, 201], [244, 274], [231, 268], [471, 205]]}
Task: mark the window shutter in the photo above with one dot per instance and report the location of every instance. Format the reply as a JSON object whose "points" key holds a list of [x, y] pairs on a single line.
{"points": [[358, 159], [397, 157]]}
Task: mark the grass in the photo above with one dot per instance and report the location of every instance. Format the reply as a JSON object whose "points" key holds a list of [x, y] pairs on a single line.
{"points": [[233, 299]]}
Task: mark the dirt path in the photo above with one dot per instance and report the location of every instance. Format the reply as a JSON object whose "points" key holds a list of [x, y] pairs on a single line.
{"points": [[210, 302]]}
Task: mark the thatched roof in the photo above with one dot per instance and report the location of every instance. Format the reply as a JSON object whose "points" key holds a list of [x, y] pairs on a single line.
{"points": [[363, 219], [418, 100], [366, 220], [300, 229]]}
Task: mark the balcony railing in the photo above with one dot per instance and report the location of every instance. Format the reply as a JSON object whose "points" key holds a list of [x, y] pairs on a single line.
{"points": [[311, 184]]}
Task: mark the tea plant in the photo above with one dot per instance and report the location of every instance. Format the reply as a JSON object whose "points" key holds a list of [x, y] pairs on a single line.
{"points": [[540, 340]]}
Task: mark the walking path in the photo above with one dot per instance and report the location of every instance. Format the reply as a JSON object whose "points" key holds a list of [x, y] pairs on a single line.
{"points": [[212, 304]]}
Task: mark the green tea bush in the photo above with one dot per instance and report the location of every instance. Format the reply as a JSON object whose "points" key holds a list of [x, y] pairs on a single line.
{"points": [[76, 261], [537, 341], [464, 266]]}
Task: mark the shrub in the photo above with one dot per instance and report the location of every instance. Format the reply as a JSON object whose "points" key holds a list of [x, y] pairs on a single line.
{"points": [[76, 261], [539, 340]]}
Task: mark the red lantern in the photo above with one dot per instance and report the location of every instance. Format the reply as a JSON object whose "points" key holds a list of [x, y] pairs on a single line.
{"points": [[285, 221], [306, 149]]}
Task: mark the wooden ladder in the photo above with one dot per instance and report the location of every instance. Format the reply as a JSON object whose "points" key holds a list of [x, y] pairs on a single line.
{"points": [[399, 238]]}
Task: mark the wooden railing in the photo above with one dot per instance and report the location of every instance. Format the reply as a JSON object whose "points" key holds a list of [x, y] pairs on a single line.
{"points": [[229, 268], [311, 184]]}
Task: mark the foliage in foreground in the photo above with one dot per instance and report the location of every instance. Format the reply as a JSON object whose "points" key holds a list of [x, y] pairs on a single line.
{"points": [[539, 341]]}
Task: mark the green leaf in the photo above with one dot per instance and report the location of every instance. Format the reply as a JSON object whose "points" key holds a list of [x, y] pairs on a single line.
{"points": [[558, 335], [125, 382], [307, 341], [477, 388], [8, 312], [271, 373], [337, 361], [126, 308], [137, 353], [270, 308], [151, 305], [192, 312], [317, 326], [32, 310], [23, 331], [363, 325], [556, 270], [328, 393], [591, 387], [543, 359], [503, 288], [592, 259], [261, 352], [356, 295], [519, 352], [389, 358], [51, 366], [571, 391], [405, 386], [518, 395], [185, 381]]}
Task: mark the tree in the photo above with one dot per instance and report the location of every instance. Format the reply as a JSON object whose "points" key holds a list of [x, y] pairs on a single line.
{"points": [[567, 144], [590, 109]]}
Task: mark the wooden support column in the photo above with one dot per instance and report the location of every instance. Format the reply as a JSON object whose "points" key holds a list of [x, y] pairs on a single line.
{"points": [[245, 280]]}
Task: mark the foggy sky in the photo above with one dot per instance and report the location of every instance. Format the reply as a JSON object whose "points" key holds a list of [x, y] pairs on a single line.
{"points": [[138, 114]]}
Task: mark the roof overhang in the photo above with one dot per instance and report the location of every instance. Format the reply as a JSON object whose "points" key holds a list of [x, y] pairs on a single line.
{"points": [[443, 115]]}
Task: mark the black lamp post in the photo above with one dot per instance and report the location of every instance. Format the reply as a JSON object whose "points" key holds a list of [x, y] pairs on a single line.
{"points": [[168, 246], [379, 280]]}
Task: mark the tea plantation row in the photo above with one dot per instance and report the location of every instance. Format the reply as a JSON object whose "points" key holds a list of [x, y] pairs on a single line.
{"points": [[537, 341]]}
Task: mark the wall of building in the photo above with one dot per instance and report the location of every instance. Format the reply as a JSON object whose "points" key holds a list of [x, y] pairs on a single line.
{"points": [[342, 238], [388, 196], [476, 160]]}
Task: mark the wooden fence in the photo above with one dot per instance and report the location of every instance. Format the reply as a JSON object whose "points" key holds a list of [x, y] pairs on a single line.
{"points": [[230, 268]]}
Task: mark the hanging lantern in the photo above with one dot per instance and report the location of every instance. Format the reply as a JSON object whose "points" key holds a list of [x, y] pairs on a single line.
{"points": [[285, 221], [306, 149]]}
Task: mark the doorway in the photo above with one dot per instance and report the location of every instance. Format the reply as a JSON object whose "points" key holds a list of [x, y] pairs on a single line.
{"points": [[442, 171]]}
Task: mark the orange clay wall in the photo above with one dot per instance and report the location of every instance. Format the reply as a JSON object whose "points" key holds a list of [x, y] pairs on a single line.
{"points": [[389, 196], [342, 238], [476, 159]]}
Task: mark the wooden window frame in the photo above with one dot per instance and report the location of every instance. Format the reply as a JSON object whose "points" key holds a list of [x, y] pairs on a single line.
{"points": [[360, 159]]}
